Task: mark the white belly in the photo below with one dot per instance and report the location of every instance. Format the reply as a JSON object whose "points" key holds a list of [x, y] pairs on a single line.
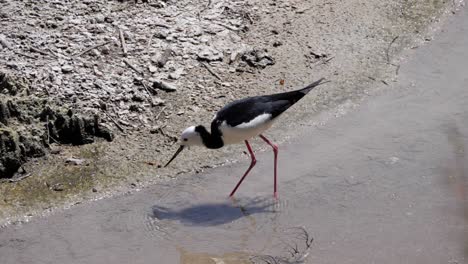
{"points": [[245, 131]]}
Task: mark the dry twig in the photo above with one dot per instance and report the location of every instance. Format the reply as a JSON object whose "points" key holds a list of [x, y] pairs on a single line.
{"points": [[161, 25], [41, 52], [17, 179], [160, 112], [211, 71], [115, 122], [90, 49], [122, 41], [323, 61], [25, 55], [132, 67], [149, 44]]}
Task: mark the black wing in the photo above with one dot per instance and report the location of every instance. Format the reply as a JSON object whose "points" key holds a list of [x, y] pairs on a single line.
{"points": [[244, 110]]}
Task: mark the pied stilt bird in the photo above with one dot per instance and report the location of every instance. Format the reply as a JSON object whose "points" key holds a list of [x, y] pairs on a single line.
{"points": [[242, 120]]}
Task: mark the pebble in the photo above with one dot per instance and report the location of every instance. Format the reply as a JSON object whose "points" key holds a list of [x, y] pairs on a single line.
{"points": [[67, 68], [175, 74], [95, 53], [163, 58], [73, 161], [162, 34], [152, 69], [58, 187], [158, 101], [209, 54], [105, 50], [99, 18], [155, 129], [258, 58], [109, 19], [55, 150], [165, 86], [138, 97], [277, 43]]}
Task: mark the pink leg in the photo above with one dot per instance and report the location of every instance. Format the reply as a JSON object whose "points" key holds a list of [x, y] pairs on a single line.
{"points": [[275, 151], [252, 164]]}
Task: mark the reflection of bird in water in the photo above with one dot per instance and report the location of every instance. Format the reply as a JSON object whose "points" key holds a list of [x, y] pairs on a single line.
{"points": [[242, 120], [212, 214]]}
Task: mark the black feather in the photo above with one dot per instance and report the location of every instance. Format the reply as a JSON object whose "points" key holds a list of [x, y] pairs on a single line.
{"points": [[244, 110]]}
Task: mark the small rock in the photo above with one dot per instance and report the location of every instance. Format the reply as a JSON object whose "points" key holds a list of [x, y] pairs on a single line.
{"points": [[109, 19], [102, 105], [67, 68], [105, 50], [174, 75], [152, 69], [55, 151], [134, 108], [95, 53], [277, 43], [162, 34], [163, 58], [155, 129], [51, 24], [209, 54], [233, 57], [99, 18], [258, 58], [13, 65], [165, 86], [73, 161], [138, 97], [94, 189], [158, 101], [158, 4], [58, 187]]}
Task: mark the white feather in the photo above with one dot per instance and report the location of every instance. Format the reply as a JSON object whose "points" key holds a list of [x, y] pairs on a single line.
{"points": [[246, 130]]}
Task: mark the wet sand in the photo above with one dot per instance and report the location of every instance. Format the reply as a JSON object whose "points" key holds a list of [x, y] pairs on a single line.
{"points": [[383, 184]]}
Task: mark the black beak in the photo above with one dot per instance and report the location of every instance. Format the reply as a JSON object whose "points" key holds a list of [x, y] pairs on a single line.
{"points": [[175, 155]]}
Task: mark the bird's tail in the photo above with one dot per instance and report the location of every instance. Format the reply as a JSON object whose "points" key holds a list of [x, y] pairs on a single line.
{"points": [[311, 86]]}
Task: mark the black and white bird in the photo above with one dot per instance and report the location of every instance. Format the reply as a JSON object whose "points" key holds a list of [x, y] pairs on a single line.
{"points": [[242, 120]]}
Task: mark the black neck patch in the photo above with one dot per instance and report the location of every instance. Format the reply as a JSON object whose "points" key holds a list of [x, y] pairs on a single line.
{"points": [[211, 141]]}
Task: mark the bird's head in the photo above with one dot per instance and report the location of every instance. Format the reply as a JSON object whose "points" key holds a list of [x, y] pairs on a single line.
{"points": [[189, 137]]}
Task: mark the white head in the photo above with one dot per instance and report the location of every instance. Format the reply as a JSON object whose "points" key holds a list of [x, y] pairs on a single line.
{"points": [[189, 137]]}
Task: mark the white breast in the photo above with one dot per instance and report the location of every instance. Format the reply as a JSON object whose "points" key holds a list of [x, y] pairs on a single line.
{"points": [[246, 130]]}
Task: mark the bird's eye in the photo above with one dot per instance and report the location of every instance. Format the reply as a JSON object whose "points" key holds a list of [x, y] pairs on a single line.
{"points": [[185, 139]]}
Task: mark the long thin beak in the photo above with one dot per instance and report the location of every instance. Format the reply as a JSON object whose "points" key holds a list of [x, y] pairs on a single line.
{"points": [[175, 155]]}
